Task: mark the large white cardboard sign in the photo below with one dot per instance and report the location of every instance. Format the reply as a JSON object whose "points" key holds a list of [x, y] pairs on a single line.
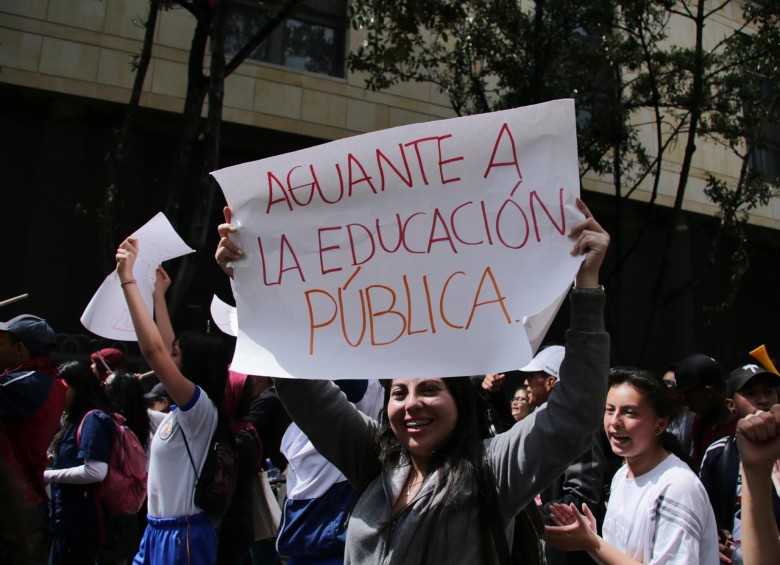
{"points": [[415, 251], [106, 314]]}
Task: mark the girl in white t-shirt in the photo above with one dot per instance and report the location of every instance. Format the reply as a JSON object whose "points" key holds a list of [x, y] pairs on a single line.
{"points": [[193, 369], [658, 510]]}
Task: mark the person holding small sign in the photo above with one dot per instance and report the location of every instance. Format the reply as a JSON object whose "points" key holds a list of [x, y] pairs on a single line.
{"points": [[433, 491], [193, 370]]}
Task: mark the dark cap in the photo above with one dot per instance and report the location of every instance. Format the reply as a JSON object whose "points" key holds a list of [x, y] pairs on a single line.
{"points": [[739, 377], [696, 370], [158, 391], [34, 332]]}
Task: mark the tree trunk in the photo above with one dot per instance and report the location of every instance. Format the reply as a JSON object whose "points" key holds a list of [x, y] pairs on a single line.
{"points": [[115, 159], [660, 295], [201, 219], [197, 88], [206, 186]]}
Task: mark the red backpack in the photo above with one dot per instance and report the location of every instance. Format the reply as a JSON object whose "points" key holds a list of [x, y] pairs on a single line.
{"points": [[123, 491]]}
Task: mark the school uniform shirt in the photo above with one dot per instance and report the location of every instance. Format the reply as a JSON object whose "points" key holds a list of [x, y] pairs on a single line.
{"points": [[73, 507], [662, 516], [171, 483]]}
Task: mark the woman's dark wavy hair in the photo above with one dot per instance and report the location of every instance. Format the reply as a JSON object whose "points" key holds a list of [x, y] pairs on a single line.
{"points": [[89, 396], [664, 402], [205, 362], [460, 462], [127, 395]]}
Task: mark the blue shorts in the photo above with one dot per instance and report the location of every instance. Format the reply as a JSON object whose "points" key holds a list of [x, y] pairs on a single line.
{"points": [[189, 540]]}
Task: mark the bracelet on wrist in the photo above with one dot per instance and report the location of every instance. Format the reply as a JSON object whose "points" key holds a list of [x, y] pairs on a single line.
{"points": [[124, 284], [593, 289]]}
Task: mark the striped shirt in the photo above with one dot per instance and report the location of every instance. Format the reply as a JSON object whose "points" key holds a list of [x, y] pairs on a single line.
{"points": [[662, 516]]}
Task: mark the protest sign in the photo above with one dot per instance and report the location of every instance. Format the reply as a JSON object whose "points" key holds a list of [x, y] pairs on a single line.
{"points": [[106, 314], [414, 251]]}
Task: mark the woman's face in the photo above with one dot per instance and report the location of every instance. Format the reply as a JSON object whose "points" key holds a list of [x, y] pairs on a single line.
{"points": [[422, 414], [519, 404], [176, 355], [632, 426], [70, 396]]}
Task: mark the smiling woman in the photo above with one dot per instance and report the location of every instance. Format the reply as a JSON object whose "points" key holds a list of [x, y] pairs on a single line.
{"points": [[433, 488]]}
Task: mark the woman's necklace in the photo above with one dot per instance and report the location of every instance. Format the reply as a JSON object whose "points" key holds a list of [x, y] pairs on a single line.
{"points": [[410, 485]]}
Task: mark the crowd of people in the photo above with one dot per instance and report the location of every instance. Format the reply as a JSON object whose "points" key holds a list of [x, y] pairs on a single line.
{"points": [[564, 460]]}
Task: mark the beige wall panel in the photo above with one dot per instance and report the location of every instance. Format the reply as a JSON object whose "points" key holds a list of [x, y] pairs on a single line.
{"points": [[276, 123], [415, 90], [681, 31], [714, 158], [267, 72], [20, 50], [715, 31], [278, 99], [67, 85], [20, 77], [763, 214], [170, 79], [115, 69], [774, 211], [126, 18], [29, 8], [74, 34], [400, 117], [162, 102], [19, 23], [333, 85], [239, 92], [324, 109], [365, 116], [297, 126], [69, 59], [236, 115], [77, 13], [175, 28], [440, 98], [322, 132]]}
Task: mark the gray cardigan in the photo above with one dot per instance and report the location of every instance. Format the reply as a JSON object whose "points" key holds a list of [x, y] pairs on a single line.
{"points": [[524, 459]]}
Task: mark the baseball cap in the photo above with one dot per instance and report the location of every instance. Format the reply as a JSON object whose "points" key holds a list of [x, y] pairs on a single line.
{"points": [[548, 360], [158, 391], [110, 358], [698, 369], [34, 332], [740, 376]]}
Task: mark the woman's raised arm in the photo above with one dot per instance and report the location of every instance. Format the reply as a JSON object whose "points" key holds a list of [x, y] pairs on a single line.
{"points": [[150, 341]]}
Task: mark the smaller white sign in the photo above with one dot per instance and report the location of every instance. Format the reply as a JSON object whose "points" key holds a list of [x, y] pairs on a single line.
{"points": [[224, 316], [106, 314]]}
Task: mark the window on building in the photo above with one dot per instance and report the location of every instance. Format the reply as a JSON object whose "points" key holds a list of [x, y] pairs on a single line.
{"points": [[312, 39], [766, 158]]}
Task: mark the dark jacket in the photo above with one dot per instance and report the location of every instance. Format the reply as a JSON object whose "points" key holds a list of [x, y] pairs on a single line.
{"points": [[267, 414], [582, 482], [719, 474]]}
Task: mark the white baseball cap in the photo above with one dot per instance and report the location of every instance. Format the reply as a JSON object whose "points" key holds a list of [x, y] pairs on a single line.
{"points": [[548, 360]]}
